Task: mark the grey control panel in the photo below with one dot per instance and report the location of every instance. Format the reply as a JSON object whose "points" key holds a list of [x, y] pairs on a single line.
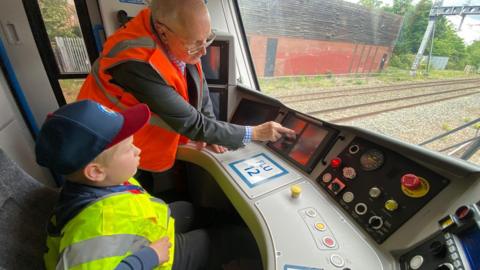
{"points": [[308, 233]]}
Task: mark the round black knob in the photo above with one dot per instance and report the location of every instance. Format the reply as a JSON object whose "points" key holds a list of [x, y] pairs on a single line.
{"points": [[438, 249], [445, 266]]}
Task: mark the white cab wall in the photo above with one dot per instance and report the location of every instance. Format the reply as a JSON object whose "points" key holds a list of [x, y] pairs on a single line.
{"points": [[26, 59], [15, 137]]}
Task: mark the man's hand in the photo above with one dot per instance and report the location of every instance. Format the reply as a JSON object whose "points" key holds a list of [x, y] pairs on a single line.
{"points": [[161, 247], [213, 147], [271, 131]]}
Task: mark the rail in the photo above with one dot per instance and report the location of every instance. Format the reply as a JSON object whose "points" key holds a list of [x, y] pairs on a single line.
{"points": [[471, 145]]}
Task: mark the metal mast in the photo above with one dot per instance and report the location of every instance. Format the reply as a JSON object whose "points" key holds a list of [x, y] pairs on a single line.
{"points": [[436, 11]]}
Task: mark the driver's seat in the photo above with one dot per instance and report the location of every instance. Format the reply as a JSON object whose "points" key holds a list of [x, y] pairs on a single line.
{"points": [[25, 207]]}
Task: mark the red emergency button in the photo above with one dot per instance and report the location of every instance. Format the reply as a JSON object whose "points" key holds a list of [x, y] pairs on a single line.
{"points": [[411, 181], [336, 162]]}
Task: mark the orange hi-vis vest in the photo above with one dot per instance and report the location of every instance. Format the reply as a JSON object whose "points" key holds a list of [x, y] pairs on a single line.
{"points": [[138, 42]]}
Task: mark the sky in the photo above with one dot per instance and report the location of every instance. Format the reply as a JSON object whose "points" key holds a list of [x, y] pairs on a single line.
{"points": [[470, 30]]}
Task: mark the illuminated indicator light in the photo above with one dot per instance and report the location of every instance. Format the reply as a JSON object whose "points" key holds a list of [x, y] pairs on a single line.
{"points": [[320, 226], [446, 222], [336, 162]]}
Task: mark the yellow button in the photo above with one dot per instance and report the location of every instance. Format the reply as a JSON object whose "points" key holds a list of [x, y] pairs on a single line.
{"points": [[296, 190], [391, 205], [320, 226]]}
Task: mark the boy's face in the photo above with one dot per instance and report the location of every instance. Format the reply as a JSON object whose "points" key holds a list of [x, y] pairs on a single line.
{"points": [[123, 164]]}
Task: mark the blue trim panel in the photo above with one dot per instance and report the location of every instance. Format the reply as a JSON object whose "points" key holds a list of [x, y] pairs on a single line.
{"points": [[17, 91]]}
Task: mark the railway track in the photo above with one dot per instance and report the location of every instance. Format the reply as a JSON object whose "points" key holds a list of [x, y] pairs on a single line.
{"points": [[352, 112], [298, 98]]}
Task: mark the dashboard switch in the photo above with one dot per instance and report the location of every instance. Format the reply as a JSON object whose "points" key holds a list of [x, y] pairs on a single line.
{"points": [[295, 191], [337, 260], [414, 186], [445, 266], [361, 209], [463, 213], [336, 186], [329, 242], [416, 262], [391, 205], [375, 222], [326, 178], [374, 192], [349, 173], [348, 197]]}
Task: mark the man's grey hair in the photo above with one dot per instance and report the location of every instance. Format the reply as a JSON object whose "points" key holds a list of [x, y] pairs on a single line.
{"points": [[164, 10]]}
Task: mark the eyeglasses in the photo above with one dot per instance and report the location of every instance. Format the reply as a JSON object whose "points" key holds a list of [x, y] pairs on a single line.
{"points": [[194, 49]]}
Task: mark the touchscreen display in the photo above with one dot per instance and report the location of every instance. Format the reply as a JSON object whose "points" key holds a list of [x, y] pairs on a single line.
{"points": [[254, 113], [310, 142], [307, 144]]}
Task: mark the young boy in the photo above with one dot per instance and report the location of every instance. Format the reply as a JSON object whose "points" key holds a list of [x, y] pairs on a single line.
{"points": [[104, 219]]}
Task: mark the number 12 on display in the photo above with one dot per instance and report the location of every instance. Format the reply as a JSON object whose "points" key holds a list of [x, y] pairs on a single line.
{"points": [[257, 169]]}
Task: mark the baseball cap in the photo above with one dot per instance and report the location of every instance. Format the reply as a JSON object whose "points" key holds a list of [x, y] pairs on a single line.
{"points": [[78, 132]]}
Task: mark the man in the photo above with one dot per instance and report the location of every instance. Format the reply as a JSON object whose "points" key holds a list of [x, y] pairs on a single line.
{"points": [[155, 59]]}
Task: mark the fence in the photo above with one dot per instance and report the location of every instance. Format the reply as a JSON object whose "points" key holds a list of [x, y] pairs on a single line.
{"points": [[72, 56]]}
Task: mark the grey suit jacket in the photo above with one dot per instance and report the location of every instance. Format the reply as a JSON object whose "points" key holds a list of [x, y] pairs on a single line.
{"points": [[193, 119]]}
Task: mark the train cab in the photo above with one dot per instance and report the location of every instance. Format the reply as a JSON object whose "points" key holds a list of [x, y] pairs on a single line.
{"points": [[337, 196]]}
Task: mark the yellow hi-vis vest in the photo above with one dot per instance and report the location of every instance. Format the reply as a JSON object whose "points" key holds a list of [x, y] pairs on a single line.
{"points": [[109, 229]]}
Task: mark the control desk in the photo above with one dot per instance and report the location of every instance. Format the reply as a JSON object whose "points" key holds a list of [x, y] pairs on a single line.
{"points": [[338, 197]]}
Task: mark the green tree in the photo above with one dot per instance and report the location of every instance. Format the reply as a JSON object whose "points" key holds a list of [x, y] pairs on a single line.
{"points": [[58, 16], [448, 43], [399, 7], [371, 3], [473, 54]]}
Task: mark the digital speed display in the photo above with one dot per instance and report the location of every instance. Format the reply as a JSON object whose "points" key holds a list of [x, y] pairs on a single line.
{"points": [[311, 141]]}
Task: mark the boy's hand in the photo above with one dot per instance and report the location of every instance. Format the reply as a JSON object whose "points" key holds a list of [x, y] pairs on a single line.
{"points": [[161, 247]]}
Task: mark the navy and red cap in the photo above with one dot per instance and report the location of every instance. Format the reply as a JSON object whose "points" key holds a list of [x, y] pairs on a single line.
{"points": [[77, 133]]}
